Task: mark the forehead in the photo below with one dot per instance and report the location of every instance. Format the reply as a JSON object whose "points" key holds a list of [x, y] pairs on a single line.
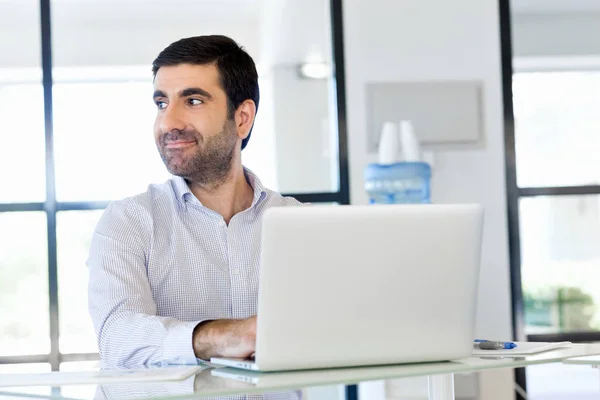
{"points": [[175, 78]]}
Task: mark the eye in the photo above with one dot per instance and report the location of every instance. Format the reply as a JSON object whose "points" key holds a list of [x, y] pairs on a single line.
{"points": [[161, 104], [195, 102]]}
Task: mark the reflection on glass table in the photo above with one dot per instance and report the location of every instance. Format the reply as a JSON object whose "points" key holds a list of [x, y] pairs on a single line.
{"points": [[203, 382], [229, 382]]}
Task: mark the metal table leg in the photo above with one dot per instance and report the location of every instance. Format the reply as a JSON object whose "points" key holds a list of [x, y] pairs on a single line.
{"points": [[351, 392]]}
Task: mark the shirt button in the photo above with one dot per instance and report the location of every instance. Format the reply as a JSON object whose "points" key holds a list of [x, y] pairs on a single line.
{"points": [[222, 223], [235, 271]]}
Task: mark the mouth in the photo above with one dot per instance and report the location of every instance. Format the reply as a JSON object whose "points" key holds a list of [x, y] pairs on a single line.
{"points": [[180, 144]]}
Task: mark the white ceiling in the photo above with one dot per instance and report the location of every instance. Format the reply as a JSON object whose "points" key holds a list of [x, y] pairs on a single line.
{"points": [[554, 6]]}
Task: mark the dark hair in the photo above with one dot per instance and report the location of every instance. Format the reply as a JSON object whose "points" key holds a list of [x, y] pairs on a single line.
{"points": [[237, 71]]}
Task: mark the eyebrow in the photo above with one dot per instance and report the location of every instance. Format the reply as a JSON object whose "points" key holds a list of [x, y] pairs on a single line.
{"points": [[185, 93]]}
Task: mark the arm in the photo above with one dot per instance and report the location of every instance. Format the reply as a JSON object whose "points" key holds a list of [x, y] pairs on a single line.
{"points": [[125, 315]]}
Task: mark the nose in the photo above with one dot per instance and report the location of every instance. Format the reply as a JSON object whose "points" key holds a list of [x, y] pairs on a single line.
{"points": [[171, 119]]}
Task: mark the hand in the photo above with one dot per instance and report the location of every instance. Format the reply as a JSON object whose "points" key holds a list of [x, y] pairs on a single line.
{"points": [[241, 342], [225, 338]]}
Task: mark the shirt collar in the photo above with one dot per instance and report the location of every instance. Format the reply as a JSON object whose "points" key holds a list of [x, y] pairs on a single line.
{"points": [[183, 192], [259, 190]]}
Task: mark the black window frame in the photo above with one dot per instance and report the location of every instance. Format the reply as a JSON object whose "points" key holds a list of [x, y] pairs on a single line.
{"points": [[515, 193]]}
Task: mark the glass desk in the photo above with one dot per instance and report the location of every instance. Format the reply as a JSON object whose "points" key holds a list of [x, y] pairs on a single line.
{"points": [[591, 360], [231, 383]]}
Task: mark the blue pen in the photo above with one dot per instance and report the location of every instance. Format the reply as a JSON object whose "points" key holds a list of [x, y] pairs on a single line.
{"points": [[507, 345]]}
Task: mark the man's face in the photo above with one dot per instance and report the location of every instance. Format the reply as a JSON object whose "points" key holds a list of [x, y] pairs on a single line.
{"points": [[194, 137]]}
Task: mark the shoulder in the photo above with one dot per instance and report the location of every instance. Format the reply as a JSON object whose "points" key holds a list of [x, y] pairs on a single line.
{"points": [[275, 199], [135, 215]]}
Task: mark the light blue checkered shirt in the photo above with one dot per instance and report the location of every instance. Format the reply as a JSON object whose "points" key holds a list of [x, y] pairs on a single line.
{"points": [[161, 262]]}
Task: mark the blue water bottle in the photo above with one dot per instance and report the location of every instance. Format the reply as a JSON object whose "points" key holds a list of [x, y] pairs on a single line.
{"points": [[398, 183]]}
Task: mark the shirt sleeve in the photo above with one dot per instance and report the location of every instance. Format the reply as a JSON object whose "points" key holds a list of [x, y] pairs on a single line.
{"points": [[121, 305]]}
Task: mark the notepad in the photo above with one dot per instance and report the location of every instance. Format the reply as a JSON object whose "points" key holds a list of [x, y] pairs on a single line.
{"points": [[523, 348], [96, 377]]}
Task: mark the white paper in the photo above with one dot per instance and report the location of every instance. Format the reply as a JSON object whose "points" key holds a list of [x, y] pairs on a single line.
{"points": [[96, 377]]}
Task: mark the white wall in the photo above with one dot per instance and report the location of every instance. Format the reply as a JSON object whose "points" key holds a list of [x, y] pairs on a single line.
{"points": [[406, 41]]}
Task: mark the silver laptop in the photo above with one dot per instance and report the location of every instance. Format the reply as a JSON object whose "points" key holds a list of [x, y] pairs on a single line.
{"points": [[366, 285]]}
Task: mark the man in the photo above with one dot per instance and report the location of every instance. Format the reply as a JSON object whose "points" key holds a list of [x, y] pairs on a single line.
{"points": [[174, 270]]}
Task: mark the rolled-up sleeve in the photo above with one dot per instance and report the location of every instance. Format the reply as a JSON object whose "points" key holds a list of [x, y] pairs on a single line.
{"points": [[121, 305]]}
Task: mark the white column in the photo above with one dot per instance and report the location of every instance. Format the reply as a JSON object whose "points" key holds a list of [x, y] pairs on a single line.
{"points": [[441, 387]]}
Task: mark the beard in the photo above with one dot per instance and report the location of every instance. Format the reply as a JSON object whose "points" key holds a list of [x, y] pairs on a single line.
{"points": [[208, 162]]}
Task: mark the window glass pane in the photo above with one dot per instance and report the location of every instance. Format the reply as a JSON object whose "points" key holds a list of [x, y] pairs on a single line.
{"points": [[556, 128], [22, 162], [104, 121], [24, 325], [103, 140], [74, 235], [560, 259]]}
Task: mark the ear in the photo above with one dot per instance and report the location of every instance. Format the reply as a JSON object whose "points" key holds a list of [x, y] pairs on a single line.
{"points": [[244, 118]]}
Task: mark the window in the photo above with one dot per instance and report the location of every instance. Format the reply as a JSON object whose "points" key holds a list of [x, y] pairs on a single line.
{"points": [[558, 170]]}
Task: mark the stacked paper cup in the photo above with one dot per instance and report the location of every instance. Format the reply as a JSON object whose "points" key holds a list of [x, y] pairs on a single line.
{"points": [[399, 176]]}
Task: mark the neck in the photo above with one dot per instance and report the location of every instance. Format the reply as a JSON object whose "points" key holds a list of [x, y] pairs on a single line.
{"points": [[228, 197]]}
